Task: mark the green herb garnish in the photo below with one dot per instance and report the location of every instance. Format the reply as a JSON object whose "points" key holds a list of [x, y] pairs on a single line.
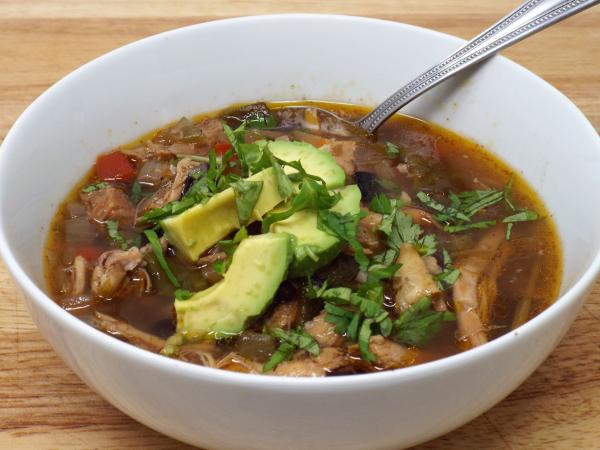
{"points": [[95, 187], [112, 227], [290, 341], [345, 228], [246, 196], [229, 247], [160, 257], [182, 294], [391, 149], [449, 274], [419, 324]]}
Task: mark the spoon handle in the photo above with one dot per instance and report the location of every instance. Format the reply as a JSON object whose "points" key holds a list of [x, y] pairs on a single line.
{"points": [[527, 19]]}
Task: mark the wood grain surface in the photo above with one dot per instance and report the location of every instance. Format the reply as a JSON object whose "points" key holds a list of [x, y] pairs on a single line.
{"points": [[43, 405]]}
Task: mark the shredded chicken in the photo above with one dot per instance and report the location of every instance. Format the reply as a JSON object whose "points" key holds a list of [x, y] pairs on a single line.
{"points": [[389, 354], [125, 331], [412, 280], [78, 275], [199, 353], [212, 131], [211, 258], [323, 331], [421, 217], [170, 191], [284, 315], [329, 360], [109, 203], [465, 292], [343, 153], [237, 363], [112, 268], [368, 235]]}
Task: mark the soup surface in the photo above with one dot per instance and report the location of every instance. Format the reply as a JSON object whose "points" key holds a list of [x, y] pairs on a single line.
{"points": [[274, 239]]}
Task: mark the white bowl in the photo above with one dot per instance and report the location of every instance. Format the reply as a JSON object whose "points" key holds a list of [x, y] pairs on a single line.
{"points": [[201, 68]]}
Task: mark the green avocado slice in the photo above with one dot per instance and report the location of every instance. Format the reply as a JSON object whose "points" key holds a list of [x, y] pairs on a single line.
{"points": [[314, 248], [258, 267], [197, 229]]}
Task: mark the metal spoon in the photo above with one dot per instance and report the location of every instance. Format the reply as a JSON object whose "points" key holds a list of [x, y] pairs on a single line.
{"points": [[529, 18]]}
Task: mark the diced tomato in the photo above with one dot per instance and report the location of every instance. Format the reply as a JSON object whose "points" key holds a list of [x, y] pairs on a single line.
{"points": [[115, 167], [222, 147], [90, 252]]}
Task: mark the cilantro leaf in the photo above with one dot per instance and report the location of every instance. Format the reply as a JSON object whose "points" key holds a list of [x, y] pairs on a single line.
{"points": [[290, 341], [95, 187], [283, 353], [381, 204], [229, 247], [182, 294], [136, 192], [344, 227], [449, 274], [246, 196], [312, 195], [284, 185], [419, 324], [392, 150], [160, 257], [112, 228]]}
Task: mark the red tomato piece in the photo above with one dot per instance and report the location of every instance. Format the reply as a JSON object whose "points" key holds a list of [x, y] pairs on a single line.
{"points": [[115, 167], [222, 147], [89, 252]]}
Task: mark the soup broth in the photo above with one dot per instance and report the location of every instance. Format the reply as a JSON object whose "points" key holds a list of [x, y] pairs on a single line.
{"points": [[390, 250]]}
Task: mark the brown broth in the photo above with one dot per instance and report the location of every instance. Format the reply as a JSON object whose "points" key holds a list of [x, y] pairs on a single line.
{"points": [[444, 159]]}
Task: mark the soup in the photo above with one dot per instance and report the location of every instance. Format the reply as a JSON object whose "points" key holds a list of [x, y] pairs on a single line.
{"points": [[275, 239]]}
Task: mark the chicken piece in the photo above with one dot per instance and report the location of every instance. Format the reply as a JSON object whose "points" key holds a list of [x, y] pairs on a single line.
{"points": [[112, 268], [329, 360], [432, 265], [389, 354], [465, 291], [172, 190], [323, 332], [412, 280], [199, 353], [108, 204], [421, 217], [78, 275], [237, 363], [284, 315], [211, 258], [212, 131], [343, 153], [368, 235], [150, 150], [123, 330]]}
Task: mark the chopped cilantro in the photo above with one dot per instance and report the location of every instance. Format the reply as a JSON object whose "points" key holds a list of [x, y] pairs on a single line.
{"points": [[112, 227], [344, 227], [229, 247], [246, 196], [95, 187], [290, 341], [449, 274], [419, 324], [182, 294], [160, 257], [392, 150]]}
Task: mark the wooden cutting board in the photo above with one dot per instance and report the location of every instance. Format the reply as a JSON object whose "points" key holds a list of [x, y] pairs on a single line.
{"points": [[43, 405]]}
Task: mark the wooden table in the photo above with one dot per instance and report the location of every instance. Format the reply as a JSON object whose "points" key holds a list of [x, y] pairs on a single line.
{"points": [[43, 405]]}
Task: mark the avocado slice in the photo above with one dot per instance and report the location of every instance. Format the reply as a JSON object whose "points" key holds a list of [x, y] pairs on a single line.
{"points": [[314, 248], [258, 267], [314, 160], [197, 229]]}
